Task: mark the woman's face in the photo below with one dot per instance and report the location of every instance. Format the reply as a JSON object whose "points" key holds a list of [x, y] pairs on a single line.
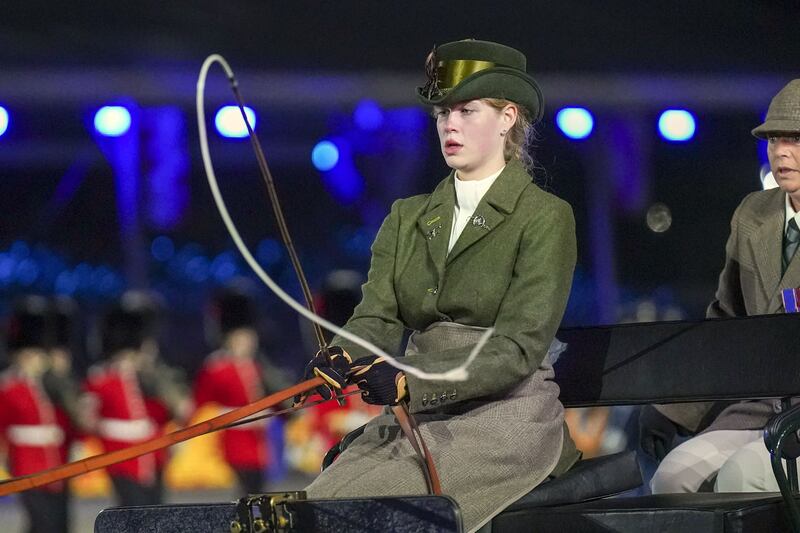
{"points": [[470, 137]]}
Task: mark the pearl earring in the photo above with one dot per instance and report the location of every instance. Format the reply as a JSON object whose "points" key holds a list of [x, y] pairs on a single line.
{"points": [[502, 133]]}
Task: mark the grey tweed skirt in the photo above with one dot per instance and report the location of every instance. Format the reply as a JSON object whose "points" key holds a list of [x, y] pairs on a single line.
{"points": [[488, 452]]}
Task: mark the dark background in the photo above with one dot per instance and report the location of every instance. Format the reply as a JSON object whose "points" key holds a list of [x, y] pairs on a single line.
{"points": [[351, 35]]}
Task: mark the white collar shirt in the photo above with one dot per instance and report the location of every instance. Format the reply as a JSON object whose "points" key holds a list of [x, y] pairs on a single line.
{"points": [[468, 196]]}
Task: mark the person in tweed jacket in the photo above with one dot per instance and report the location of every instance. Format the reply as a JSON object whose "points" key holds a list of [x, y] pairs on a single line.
{"points": [[760, 262], [487, 248]]}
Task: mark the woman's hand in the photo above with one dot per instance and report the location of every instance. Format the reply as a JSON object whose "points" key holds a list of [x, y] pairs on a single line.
{"points": [[382, 383], [333, 371]]}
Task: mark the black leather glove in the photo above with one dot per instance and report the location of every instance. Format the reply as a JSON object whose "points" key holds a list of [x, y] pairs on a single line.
{"points": [[334, 372], [656, 432], [381, 383]]}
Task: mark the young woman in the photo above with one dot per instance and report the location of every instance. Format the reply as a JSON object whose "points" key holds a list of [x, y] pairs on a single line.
{"points": [[486, 248]]}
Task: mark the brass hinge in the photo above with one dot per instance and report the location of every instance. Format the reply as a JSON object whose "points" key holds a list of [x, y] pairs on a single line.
{"points": [[265, 513]]}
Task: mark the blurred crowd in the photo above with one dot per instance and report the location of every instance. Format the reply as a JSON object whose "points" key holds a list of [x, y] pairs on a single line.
{"points": [[50, 409]]}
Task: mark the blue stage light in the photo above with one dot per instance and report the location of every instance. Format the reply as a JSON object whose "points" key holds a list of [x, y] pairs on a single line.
{"points": [[27, 271], [575, 122], [676, 125], [66, 283], [197, 269], [357, 243], [112, 121], [269, 252], [162, 248], [7, 267], [325, 155], [368, 115], [229, 121], [19, 250], [109, 282], [4, 120], [223, 267], [83, 276]]}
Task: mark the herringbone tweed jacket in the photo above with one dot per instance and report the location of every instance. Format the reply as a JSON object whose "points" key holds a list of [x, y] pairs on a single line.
{"points": [[751, 284]]}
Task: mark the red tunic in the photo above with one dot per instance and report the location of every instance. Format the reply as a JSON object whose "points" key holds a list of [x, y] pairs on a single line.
{"points": [[234, 382], [122, 418], [29, 425]]}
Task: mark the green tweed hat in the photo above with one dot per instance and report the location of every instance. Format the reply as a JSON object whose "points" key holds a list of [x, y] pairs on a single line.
{"points": [[470, 69], [783, 115]]}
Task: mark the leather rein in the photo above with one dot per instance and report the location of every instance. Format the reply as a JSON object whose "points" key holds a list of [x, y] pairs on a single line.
{"points": [[409, 426], [97, 462]]}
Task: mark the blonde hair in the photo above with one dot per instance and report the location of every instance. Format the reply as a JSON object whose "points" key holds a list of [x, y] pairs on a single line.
{"points": [[519, 137]]}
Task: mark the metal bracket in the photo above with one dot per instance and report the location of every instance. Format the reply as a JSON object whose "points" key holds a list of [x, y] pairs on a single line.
{"points": [[265, 513]]}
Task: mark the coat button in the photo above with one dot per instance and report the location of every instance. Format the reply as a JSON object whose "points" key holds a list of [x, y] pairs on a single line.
{"points": [[425, 399], [434, 399], [433, 290], [443, 397], [444, 318], [453, 394]]}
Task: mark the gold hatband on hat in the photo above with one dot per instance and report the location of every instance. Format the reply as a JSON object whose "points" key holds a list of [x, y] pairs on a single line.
{"points": [[451, 73]]}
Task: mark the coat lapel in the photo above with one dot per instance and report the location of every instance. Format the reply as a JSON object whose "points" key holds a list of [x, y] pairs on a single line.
{"points": [[499, 201], [766, 243], [436, 222], [485, 219]]}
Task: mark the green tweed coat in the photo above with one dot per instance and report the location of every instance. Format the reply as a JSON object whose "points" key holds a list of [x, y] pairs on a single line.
{"points": [[512, 272], [501, 432]]}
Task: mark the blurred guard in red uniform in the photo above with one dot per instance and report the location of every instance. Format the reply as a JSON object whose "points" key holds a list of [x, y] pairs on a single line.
{"points": [[62, 387], [122, 416], [232, 376], [28, 422], [165, 388]]}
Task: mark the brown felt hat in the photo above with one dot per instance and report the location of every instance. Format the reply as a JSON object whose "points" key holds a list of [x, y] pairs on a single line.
{"points": [[783, 115]]}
